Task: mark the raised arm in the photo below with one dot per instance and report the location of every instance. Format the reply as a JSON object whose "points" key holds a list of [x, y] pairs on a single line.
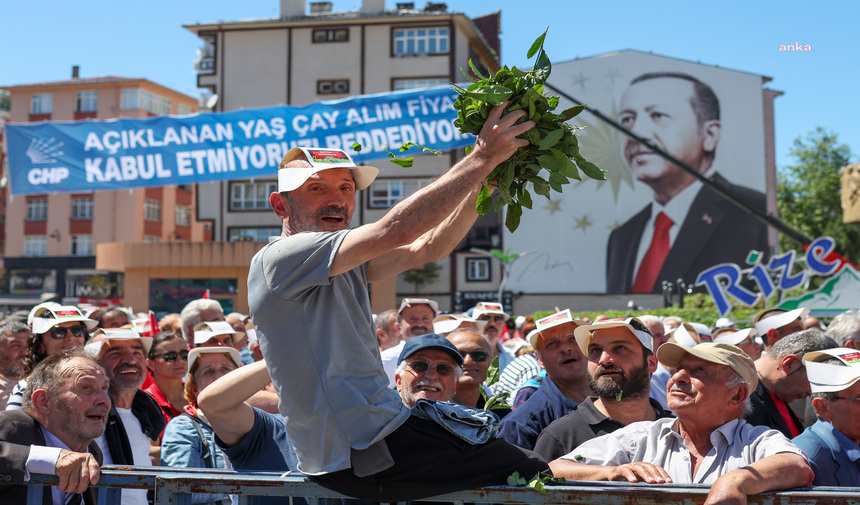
{"points": [[773, 473], [223, 401], [429, 223]]}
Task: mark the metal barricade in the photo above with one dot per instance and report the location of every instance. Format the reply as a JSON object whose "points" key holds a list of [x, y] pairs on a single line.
{"points": [[173, 486]]}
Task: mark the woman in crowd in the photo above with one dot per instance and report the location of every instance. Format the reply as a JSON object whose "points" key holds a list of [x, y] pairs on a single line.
{"points": [[54, 328], [168, 363], [189, 441]]}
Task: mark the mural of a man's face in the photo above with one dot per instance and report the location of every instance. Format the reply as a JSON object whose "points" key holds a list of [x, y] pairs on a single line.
{"points": [[660, 111]]}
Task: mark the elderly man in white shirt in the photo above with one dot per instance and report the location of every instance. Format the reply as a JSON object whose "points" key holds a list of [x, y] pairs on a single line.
{"points": [[709, 442]]}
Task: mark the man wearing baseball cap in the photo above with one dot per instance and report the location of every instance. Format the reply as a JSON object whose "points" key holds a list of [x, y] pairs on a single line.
{"points": [[493, 316], [708, 443], [782, 379], [308, 295], [620, 362], [430, 368], [831, 444], [775, 324], [564, 387]]}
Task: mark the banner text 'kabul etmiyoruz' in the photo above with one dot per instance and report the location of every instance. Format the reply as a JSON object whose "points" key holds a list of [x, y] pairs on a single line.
{"points": [[131, 153]]}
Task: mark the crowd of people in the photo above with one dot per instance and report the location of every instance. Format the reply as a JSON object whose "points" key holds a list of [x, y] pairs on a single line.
{"points": [[413, 402]]}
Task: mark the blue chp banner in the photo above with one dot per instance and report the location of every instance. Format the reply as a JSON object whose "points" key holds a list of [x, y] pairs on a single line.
{"points": [[134, 153]]}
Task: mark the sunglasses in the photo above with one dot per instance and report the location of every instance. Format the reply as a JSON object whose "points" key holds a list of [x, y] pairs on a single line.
{"points": [[421, 366], [478, 356], [170, 356], [59, 332], [498, 319]]}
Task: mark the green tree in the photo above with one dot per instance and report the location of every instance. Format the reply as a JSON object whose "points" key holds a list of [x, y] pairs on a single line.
{"points": [[809, 192], [419, 277]]}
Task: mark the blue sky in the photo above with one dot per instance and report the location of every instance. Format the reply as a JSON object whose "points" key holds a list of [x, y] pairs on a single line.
{"points": [[40, 40]]}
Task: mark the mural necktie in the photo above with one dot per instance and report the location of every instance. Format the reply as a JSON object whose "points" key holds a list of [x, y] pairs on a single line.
{"points": [[655, 256]]}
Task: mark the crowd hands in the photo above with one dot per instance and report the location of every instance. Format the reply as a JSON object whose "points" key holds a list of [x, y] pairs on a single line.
{"points": [[647, 399]]}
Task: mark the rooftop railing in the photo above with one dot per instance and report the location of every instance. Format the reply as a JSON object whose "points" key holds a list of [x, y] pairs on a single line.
{"points": [[173, 486]]}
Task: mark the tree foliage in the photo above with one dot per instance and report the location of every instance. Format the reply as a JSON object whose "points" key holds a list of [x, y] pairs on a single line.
{"points": [[809, 192], [420, 277]]}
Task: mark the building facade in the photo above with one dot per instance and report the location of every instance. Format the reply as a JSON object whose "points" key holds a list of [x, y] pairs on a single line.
{"points": [[51, 239]]}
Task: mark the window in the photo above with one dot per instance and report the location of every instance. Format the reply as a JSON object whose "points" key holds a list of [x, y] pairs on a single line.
{"points": [[477, 269], [333, 35], [139, 99], [420, 41], [87, 101], [82, 208], [385, 193], [37, 210], [253, 234], [82, 245], [332, 86], [183, 216], [35, 246], [427, 82], [251, 195], [152, 210], [183, 109], [41, 103], [151, 239]]}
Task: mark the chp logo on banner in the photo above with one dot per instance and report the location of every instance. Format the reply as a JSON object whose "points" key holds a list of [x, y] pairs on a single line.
{"points": [[133, 153]]}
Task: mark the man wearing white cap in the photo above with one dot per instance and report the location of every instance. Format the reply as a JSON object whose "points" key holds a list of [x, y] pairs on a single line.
{"points": [[620, 362], [415, 316], [135, 419], [493, 316], [782, 379], [307, 291], [831, 444], [708, 443], [564, 387], [775, 324]]}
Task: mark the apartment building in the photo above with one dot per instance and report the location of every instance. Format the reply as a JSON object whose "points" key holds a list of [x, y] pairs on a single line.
{"points": [[309, 55], [51, 239]]}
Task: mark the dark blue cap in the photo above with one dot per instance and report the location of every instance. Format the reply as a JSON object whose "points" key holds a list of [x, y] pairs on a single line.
{"points": [[430, 341]]}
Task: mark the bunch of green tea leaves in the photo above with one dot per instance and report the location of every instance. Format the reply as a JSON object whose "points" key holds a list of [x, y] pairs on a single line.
{"points": [[537, 482], [497, 401], [553, 143]]}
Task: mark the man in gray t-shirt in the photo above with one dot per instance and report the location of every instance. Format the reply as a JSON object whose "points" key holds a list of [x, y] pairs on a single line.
{"points": [[307, 291]]}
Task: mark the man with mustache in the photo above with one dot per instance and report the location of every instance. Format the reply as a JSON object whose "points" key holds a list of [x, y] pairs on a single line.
{"points": [[709, 442], [494, 317], [430, 368], [65, 408], [620, 362], [309, 300], [688, 227], [564, 387], [135, 420], [415, 317]]}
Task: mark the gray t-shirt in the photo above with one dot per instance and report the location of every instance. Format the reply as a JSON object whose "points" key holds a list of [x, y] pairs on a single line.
{"points": [[317, 336]]}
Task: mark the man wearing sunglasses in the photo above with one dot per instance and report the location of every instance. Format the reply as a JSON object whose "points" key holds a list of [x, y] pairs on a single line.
{"points": [[831, 444], [429, 368], [782, 379], [309, 299], [477, 356]]}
